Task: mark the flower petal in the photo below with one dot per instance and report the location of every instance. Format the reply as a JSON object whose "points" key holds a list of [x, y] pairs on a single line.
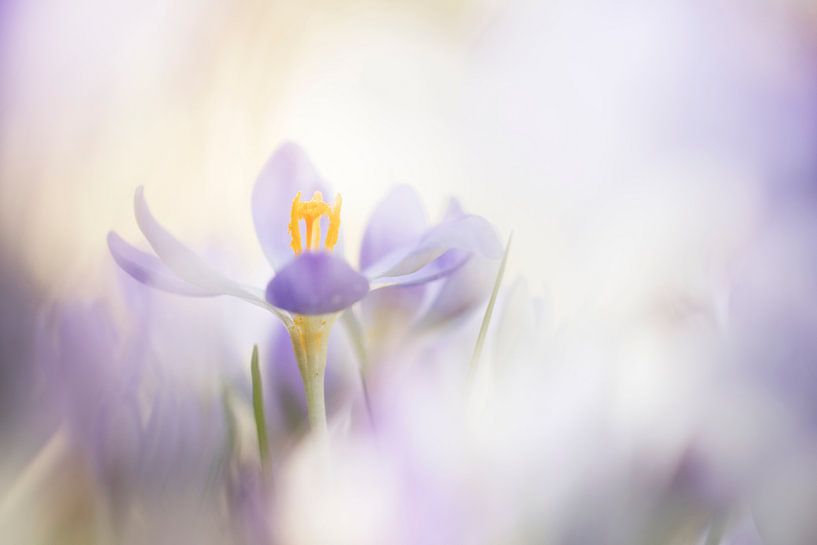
{"points": [[464, 236], [398, 220], [445, 265], [461, 291], [188, 266], [286, 173], [453, 209], [386, 316], [149, 270], [316, 283]]}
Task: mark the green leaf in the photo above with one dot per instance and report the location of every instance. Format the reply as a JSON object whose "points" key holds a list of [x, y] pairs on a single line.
{"points": [[486, 319], [258, 407], [230, 422]]}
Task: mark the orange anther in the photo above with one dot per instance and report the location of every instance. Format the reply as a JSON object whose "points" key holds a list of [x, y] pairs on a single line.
{"points": [[311, 212]]}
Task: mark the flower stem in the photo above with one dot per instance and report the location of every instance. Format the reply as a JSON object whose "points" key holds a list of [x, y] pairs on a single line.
{"points": [[315, 402], [310, 341]]}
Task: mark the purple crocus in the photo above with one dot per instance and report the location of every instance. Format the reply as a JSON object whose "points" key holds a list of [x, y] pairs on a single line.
{"points": [[312, 284]]}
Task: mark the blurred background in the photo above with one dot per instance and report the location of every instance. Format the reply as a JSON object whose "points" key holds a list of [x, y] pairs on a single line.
{"points": [[549, 117], [655, 161]]}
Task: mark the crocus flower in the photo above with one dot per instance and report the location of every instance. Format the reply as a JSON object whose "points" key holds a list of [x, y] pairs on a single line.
{"points": [[312, 285]]}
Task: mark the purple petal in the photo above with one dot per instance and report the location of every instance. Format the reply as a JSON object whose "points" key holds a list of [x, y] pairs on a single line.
{"points": [[183, 440], [448, 263], [286, 173], [116, 445], [388, 313], [176, 256], [462, 291], [249, 504], [86, 363], [316, 283], [148, 270], [184, 263], [468, 235], [398, 220], [453, 210]]}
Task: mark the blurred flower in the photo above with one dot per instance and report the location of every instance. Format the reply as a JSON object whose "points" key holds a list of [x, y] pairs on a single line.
{"points": [[395, 314], [152, 442], [248, 500], [94, 371], [743, 532], [23, 422]]}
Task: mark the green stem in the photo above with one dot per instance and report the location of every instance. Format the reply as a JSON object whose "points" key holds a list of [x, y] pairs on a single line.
{"points": [[258, 407], [310, 342], [315, 402], [486, 319]]}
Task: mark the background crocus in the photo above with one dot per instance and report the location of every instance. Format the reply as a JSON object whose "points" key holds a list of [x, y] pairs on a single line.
{"points": [[93, 371], [26, 421], [134, 385], [393, 316]]}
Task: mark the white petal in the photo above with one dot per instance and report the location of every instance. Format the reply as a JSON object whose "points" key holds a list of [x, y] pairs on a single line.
{"points": [[187, 265]]}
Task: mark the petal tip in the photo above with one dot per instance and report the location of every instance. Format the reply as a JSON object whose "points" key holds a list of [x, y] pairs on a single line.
{"points": [[289, 147]]}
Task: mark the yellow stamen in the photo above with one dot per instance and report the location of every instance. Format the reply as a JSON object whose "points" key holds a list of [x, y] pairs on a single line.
{"points": [[294, 230], [311, 212], [334, 224]]}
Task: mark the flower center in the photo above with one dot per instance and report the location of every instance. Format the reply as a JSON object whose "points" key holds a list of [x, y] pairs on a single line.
{"points": [[311, 212]]}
